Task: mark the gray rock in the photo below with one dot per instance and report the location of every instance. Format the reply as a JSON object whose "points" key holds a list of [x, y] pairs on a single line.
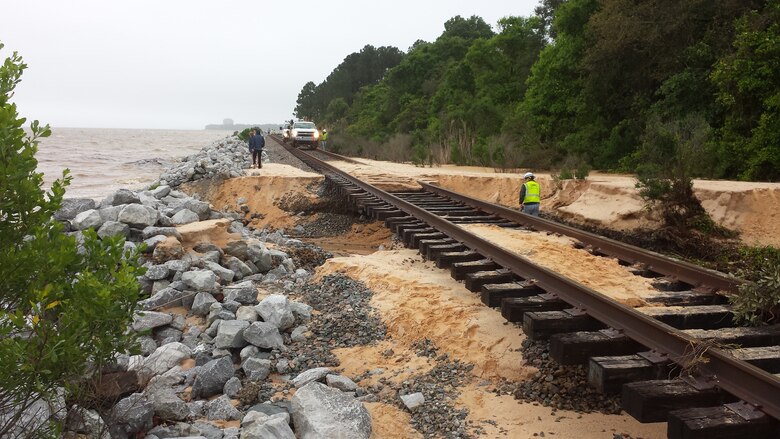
{"points": [[238, 249], [143, 320], [299, 333], [239, 268], [278, 255], [131, 415], [301, 310], [167, 335], [151, 243], [256, 425], [150, 231], [340, 382], [208, 431], [200, 208], [162, 383], [87, 219], [179, 322], [113, 228], [225, 275], [147, 344], [261, 257], [137, 215], [256, 369], [413, 400], [156, 272], [72, 207], [230, 334], [179, 430], [165, 357], [275, 309], [319, 411], [168, 406], [246, 313], [282, 366], [165, 297], [221, 408], [212, 378], [244, 292], [310, 375], [289, 265], [248, 352], [214, 257], [202, 303], [200, 280], [205, 247], [232, 387], [269, 409], [264, 335], [87, 422], [184, 216], [252, 267], [110, 213], [160, 191], [177, 265], [121, 196]]}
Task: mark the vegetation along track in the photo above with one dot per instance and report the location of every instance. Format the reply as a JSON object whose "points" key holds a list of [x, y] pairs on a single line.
{"points": [[684, 364]]}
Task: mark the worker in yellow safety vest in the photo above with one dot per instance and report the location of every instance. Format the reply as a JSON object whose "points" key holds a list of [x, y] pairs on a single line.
{"points": [[324, 139], [530, 195]]}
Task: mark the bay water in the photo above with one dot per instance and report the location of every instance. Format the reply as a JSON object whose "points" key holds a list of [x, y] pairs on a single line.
{"points": [[102, 160]]}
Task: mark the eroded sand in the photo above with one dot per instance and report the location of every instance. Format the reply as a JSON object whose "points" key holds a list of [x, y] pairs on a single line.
{"points": [[274, 194], [557, 253], [415, 300]]}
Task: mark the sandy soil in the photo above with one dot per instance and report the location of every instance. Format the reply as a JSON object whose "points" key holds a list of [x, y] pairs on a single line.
{"points": [[557, 253], [213, 231], [272, 193], [606, 200], [415, 301]]}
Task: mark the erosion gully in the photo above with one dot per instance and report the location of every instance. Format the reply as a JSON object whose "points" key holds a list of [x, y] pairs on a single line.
{"points": [[684, 362]]}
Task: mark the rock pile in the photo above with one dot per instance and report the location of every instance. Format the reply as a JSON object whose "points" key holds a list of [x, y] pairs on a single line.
{"points": [[225, 158], [214, 363], [559, 387]]}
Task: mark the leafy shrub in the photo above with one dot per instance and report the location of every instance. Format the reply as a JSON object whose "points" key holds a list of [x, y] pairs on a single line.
{"points": [[758, 301], [64, 306]]}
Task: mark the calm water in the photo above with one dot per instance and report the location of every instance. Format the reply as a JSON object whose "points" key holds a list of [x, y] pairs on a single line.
{"points": [[102, 160]]}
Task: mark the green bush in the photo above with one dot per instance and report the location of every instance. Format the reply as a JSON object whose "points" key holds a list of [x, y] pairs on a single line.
{"points": [[64, 307], [758, 301]]}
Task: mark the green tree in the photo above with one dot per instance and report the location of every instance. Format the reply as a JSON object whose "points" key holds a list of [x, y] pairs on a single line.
{"points": [[748, 83], [64, 307], [356, 71], [671, 154]]}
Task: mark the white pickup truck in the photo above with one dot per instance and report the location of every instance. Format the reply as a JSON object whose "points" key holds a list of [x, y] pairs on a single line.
{"points": [[305, 133]]}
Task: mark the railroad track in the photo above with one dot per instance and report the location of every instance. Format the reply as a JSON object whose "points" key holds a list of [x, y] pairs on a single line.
{"points": [[683, 362]]}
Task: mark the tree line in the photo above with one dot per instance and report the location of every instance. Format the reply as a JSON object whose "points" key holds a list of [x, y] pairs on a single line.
{"points": [[610, 84]]}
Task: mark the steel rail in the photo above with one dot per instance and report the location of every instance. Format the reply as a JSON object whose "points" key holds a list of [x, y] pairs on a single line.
{"points": [[743, 380], [681, 270]]}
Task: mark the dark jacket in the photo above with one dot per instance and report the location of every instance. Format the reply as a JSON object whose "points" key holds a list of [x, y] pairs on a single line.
{"points": [[256, 142]]}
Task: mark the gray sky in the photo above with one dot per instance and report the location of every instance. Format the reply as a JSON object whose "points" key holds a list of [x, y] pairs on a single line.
{"points": [[184, 64]]}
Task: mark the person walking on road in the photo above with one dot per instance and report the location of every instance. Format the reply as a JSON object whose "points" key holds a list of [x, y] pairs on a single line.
{"points": [[256, 145], [324, 139], [530, 195]]}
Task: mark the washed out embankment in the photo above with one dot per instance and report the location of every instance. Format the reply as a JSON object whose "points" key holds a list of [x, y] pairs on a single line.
{"points": [[602, 200], [270, 196]]}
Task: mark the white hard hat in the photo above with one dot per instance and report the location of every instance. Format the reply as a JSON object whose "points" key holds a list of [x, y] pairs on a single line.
{"points": [[528, 175]]}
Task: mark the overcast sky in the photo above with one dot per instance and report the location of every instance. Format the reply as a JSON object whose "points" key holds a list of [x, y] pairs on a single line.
{"points": [[184, 64]]}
